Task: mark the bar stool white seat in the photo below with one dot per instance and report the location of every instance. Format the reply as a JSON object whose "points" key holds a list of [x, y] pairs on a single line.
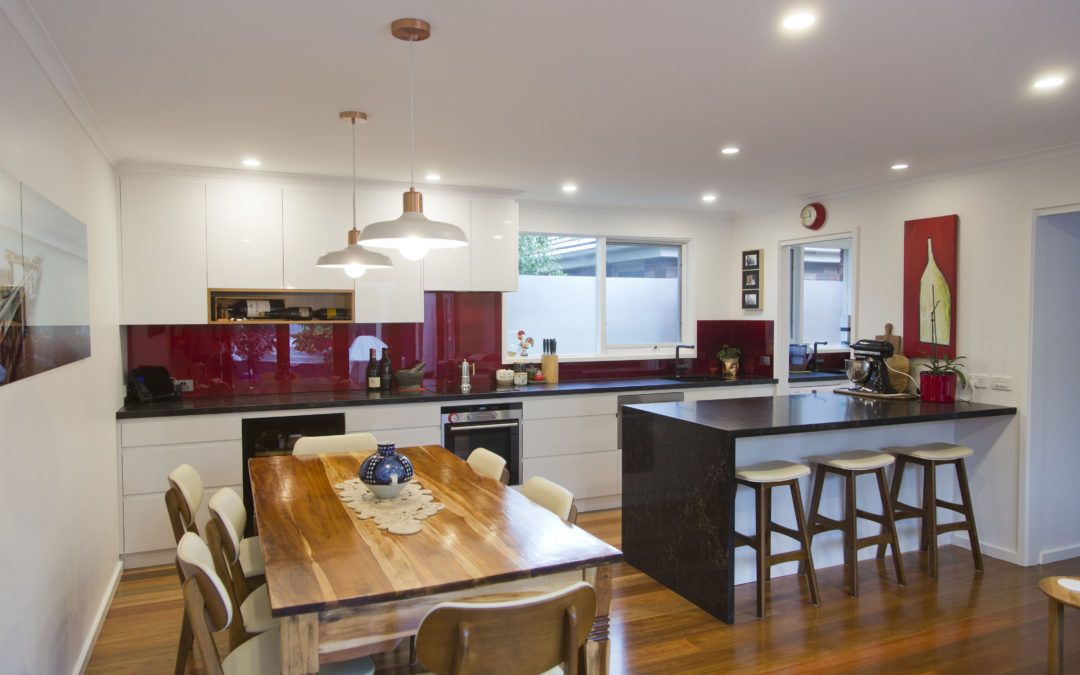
{"points": [[762, 478], [929, 456], [850, 465]]}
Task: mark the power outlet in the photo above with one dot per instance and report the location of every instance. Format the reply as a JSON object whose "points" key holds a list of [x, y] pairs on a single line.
{"points": [[766, 360], [980, 381], [1001, 383], [184, 385]]}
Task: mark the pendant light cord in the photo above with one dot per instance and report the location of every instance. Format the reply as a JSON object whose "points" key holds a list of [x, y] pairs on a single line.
{"points": [[354, 173], [412, 120]]}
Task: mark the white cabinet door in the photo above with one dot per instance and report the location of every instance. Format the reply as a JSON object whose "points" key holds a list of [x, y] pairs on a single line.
{"points": [[448, 269], [387, 296], [163, 249], [494, 244], [315, 221], [243, 236]]}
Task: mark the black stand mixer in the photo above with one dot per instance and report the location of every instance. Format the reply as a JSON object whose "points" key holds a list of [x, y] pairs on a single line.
{"points": [[867, 370]]}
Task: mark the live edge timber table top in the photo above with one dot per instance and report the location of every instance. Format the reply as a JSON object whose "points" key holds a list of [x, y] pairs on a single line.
{"points": [[319, 555]]}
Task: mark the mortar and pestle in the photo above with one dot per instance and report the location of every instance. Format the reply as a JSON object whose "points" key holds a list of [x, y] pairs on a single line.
{"points": [[411, 379]]}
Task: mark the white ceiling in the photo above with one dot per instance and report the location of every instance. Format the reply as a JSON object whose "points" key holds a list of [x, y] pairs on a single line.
{"points": [[632, 100]]}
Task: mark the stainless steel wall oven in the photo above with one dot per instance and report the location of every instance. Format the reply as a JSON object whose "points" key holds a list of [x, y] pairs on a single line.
{"points": [[494, 426]]}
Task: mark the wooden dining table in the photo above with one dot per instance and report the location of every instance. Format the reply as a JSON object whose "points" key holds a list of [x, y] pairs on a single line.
{"points": [[342, 588]]}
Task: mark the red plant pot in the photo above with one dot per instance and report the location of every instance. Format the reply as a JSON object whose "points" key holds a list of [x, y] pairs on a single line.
{"points": [[937, 388]]}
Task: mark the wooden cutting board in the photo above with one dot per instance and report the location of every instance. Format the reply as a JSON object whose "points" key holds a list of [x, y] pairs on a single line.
{"points": [[896, 340]]}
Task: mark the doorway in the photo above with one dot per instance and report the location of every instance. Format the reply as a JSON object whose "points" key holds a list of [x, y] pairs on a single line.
{"points": [[1053, 531]]}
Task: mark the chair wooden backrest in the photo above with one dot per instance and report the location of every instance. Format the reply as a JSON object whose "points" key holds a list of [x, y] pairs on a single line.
{"points": [[551, 496], [206, 599], [358, 442], [487, 463], [183, 498], [528, 635]]}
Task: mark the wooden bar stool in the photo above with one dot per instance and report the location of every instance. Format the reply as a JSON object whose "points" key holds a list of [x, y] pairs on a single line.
{"points": [[1060, 591], [762, 478], [850, 465], [929, 456]]}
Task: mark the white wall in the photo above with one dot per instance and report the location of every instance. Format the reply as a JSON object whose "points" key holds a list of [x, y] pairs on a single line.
{"points": [[996, 210], [58, 486]]}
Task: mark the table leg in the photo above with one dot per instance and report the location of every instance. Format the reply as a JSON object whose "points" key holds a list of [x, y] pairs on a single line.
{"points": [[300, 644], [598, 648], [1055, 651]]}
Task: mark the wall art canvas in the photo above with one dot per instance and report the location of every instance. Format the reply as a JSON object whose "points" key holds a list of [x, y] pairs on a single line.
{"points": [[930, 246], [44, 279]]}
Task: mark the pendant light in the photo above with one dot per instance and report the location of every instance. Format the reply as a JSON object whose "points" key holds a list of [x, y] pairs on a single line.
{"points": [[413, 233], [354, 258]]}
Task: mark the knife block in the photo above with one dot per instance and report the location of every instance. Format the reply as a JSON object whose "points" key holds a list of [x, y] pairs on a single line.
{"points": [[549, 366]]}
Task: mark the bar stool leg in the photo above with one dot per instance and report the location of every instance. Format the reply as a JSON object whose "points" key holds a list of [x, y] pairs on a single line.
{"points": [[851, 534], [969, 513], [766, 538], [800, 523], [1055, 647], [894, 497], [890, 524], [930, 517], [762, 532], [815, 501]]}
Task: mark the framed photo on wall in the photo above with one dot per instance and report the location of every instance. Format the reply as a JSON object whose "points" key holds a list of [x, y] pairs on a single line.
{"points": [[751, 260], [751, 300], [751, 279]]}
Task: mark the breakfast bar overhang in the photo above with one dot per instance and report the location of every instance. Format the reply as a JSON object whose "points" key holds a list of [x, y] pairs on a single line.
{"points": [[678, 472]]}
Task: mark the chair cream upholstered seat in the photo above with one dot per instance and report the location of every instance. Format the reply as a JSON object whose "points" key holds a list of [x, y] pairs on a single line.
{"points": [[206, 602], [487, 463], [762, 478], [551, 496], [229, 508], [255, 611], [929, 456], [357, 442], [939, 452], [857, 460], [768, 472], [250, 555]]}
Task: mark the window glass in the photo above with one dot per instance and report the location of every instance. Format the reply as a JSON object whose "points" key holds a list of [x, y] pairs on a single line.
{"points": [[642, 294], [821, 293]]}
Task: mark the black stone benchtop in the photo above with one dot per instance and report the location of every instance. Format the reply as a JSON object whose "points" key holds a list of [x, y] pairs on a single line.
{"points": [[678, 476], [823, 411], [209, 405]]}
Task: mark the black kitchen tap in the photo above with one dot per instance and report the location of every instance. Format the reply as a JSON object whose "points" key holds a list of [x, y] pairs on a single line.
{"points": [[813, 359], [679, 367]]}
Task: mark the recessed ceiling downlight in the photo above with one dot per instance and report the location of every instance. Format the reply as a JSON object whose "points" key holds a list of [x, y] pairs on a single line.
{"points": [[798, 21], [433, 176], [569, 188], [251, 162], [729, 150], [1049, 82], [708, 197], [899, 167]]}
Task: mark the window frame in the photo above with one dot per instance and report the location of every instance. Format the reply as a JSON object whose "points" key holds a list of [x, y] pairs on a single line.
{"points": [[623, 352]]}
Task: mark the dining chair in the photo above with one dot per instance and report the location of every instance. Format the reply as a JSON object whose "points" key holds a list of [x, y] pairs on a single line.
{"points": [[183, 498], [536, 634], [206, 602], [551, 496], [244, 554], [357, 442], [487, 463]]}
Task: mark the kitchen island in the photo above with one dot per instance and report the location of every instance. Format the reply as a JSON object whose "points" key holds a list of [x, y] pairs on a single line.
{"points": [[678, 473]]}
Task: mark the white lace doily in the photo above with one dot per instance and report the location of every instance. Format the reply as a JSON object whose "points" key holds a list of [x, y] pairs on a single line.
{"points": [[400, 515]]}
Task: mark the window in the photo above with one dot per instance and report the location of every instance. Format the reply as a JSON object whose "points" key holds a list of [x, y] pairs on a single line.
{"points": [[596, 295], [820, 308]]}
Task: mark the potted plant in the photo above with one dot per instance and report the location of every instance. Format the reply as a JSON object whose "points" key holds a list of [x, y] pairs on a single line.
{"points": [[729, 356], [937, 384]]}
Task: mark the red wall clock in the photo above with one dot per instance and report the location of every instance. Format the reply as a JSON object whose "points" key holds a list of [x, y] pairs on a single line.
{"points": [[813, 215]]}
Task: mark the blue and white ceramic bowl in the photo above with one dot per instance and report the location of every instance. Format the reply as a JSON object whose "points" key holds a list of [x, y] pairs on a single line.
{"points": [[386, 472]]}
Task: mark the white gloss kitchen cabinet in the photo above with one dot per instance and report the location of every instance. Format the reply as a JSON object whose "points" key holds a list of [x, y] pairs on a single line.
{"points": [[163, 249], [243, 235], [490, 261]]}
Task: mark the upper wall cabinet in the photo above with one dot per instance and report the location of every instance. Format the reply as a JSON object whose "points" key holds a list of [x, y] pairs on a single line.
{"points": [[243, 236], [163, 249], [489, 262], [316, 221]]}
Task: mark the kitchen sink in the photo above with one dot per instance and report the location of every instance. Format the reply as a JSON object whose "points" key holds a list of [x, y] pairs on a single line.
{"points": [[694, 378]]}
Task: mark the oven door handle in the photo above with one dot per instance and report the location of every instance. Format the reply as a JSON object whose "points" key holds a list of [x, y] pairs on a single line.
{"points": [[465, 427]]}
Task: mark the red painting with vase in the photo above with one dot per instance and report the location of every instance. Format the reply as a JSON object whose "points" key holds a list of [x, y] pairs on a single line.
{"points": [[930, 246]]}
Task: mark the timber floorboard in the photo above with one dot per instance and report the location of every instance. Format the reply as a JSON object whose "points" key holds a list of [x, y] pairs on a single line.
{"points": [[994, 622]]}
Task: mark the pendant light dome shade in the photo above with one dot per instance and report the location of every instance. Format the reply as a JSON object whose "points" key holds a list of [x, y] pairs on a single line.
{"points": [[413, 233]]}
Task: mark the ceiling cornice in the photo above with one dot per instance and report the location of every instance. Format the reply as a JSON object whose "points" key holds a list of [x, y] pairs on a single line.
{"points": [[717, 216], [28, 25]]}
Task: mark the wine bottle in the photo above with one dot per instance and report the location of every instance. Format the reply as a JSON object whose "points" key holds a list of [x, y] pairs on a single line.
{"points": [[330, 314], [386, 374], [291, 313], [374, 380], [934, 290], [254, 309]]}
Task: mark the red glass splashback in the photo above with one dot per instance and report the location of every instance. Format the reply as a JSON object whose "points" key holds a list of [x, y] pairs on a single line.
{"points": [[226, 359]]}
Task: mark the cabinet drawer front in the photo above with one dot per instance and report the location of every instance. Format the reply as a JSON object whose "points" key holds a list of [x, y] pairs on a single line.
{"points": [[146, 523], [186, 429], [569, 406], [568, 435], [710, 393], [147, 469], [591, 475], [367, 418]]}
